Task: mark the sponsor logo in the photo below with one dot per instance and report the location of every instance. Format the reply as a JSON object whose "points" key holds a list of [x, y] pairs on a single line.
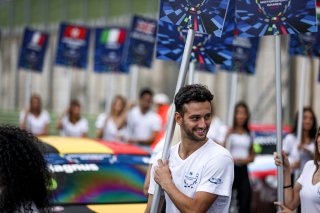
{"points": [[215, 180], [71, 168], [190, 180]]}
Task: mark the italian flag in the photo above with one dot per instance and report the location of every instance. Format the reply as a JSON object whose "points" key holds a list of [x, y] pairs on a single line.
{"points": [[113, 36], [318, 9]]}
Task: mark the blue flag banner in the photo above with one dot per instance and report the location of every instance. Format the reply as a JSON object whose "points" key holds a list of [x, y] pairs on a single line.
{"points": [[244, 55], [256, 18], [109, 50], [33, 48], [207, 50], [73, 46], [307, 44], [140, 44], [205, 16]]}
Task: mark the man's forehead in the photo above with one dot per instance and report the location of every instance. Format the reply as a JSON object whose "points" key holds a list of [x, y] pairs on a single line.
{"points": [[197, 106]]}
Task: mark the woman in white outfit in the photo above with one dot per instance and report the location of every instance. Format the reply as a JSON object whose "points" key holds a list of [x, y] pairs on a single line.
{"points": [[71, 123], [306, 190], [112, 127]]}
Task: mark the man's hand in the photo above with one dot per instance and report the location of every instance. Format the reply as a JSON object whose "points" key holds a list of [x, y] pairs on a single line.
{"points": [[162, 174]]}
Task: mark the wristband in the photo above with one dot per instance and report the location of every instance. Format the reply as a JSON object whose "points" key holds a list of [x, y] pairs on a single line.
{"points": [[288, 186]]}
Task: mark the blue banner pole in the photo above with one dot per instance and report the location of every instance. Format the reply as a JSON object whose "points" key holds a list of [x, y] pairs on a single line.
{"points": [[171, 121]]}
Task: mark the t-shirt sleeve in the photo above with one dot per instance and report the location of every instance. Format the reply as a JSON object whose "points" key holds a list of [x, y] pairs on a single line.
{"points": [[100, 121], [218, 176], [306, 169], [156, 124], [46, 117]]}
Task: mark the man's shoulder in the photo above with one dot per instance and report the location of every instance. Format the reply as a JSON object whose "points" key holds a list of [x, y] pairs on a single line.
{"points": [[214, 150]]}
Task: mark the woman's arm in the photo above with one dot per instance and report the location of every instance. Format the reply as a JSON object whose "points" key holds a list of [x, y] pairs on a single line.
{"points": [[59, 124]]}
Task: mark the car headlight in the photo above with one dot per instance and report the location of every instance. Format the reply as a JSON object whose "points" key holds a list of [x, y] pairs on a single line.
{"points": [[271, 181]]}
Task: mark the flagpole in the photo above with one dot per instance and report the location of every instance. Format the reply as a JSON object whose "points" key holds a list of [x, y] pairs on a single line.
{"points": [[279, 117], [28, 88], [109, 92], [191, 77], [232, 97], [134, 82], [303, 73], [171, 121]]}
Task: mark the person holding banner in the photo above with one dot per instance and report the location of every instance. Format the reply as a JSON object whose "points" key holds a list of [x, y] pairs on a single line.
{"points": [[143, 124], [198, 175], [34, 119], [306, 190], [71, 124], [240, 143], [24, 174], [300, 152], [112, 127]]}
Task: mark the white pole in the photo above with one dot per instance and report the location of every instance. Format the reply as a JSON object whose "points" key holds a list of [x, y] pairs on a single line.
{"points": [[192, 68], [279, 117], [301, 96], [28, 88], [70, 76], [171, 121], [134, 82], [1, 68], [232, 97], [109, 91]]}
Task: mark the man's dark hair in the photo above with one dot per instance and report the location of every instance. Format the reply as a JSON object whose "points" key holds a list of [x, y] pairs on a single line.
{"points": [[24, 174], [191, 93], [146, 91]]}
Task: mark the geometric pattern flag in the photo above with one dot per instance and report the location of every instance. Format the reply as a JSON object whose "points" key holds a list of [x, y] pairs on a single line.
{"points": [[33, 49], [170, 44], [256, 18], [141, 41], [307, 44], [109, 50], [205, 16], [244, 55], [207, 50], [72, 47]]}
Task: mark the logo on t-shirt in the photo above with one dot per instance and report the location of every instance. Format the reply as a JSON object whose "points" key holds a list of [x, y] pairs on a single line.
{"points": [[215, 180], [190, 179]]}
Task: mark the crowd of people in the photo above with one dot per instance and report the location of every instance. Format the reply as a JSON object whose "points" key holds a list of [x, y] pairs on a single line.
{"points": [[207, 162]]}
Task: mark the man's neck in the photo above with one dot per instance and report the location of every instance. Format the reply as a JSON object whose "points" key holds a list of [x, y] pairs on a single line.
{"points": [[187, 147]]}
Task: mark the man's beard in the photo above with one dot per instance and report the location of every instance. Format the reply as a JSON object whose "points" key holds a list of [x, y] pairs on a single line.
{"points": [[191, 135]]}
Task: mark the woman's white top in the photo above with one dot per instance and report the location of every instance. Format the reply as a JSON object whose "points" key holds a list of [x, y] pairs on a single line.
{"points": [[74, 129], [239, 145]]}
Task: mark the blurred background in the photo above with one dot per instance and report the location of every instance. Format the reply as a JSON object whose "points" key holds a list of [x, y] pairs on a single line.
{"points": [[91, 88]]}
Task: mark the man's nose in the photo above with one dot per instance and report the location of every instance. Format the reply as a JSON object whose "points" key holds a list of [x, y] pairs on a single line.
{"points": [[202, 122]]}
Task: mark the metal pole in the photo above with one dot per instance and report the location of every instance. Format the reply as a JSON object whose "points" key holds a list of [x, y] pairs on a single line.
{"points": [[301, 96], [232, 97], [70, 76], [28, 88], [109, 91], [1, 68], [134, 82], [192, 67], [279, 117], [171, 121]]}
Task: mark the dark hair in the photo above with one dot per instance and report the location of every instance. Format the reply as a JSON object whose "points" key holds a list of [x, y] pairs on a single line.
{"points": [[313, 130], [316, 151], [75, 103], [246, 124], [146, 91], [191, 93], [24, 175]]}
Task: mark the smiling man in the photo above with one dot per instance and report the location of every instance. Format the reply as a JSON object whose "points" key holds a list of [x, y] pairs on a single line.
{"points": [[198, 175]]}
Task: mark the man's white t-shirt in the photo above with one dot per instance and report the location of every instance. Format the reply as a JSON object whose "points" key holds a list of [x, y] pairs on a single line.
{"points": [[217, 131], [36, 125], [141, 126], [239, 145], [110, 131], [309, 193], [208, 169], [74, 130]]}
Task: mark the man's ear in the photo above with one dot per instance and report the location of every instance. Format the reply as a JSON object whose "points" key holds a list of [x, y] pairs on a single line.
{"points": [[178, 118]]}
